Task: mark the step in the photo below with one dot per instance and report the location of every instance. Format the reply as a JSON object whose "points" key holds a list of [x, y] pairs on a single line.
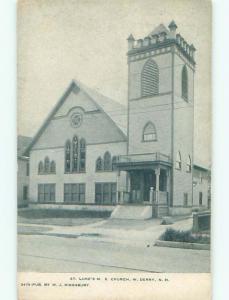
{"points": [[132, 212]]}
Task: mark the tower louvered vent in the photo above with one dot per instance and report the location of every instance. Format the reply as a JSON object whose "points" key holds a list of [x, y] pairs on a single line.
{"points": [[150, 79]]}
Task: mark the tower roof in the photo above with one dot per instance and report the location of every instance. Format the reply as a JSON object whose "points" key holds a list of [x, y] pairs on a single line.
{"points": [[130, 38], [159, 29], [172, 25]]}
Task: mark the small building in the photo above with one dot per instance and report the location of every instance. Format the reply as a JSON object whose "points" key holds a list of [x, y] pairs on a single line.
{"points": [[94, 152], [201, 187], [22, 171]]}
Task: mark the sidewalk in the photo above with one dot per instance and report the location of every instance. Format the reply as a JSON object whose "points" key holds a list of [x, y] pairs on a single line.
{"points": [[126, 232]]}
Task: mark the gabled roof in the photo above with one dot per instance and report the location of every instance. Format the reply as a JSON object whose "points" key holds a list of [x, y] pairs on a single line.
{"points": [[22, 144], [159, 29], [115, 111]]}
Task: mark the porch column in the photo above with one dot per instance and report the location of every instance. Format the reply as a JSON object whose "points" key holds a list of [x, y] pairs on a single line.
{"points": [[118, 187], [128, 188], [128, 181], [168, 188], [151, 195], [157, 173]]}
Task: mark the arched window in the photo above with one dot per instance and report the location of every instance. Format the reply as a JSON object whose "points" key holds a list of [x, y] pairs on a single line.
{"points": [[184, 83], [150, 78], [99, 164], [75, 154], [46, 168], [178, 161], [82, 155], [149, 132], [40, 167], [189, 164], [114, 160], [53, 167], [68, 156], [107, 161]]}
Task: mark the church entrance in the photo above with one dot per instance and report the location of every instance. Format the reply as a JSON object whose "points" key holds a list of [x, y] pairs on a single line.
{"points": [[140, 183]]}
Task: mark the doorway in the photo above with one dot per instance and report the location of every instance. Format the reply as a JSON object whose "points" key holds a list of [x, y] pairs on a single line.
{"points": [[149, 181]]}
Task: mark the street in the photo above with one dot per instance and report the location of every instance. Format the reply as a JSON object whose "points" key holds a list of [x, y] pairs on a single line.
{"points": [[42, 253]]}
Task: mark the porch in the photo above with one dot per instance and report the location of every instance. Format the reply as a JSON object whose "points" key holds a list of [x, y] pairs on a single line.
{"points": [[147, 181]]}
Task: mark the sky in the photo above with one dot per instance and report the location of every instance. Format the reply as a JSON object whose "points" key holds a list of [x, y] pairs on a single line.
{"points": [[65, 39]]}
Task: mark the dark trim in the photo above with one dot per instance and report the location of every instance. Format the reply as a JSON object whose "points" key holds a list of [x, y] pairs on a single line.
{"points": [[172, 132], [128, 112], [97, 111], [23, 158], [77, 172], [144, 128], [151, 55], [185, 70], [201, 168], [141, 165], [183, 206], [102, 110], [102, 183], [104, 171], [71, 87], [193, 118], [77, 184], [76, 88], [185, 61], [151, 96], [88, 144], [43, 173], [150, 59], [149, 141], [46, 183], [159, 45]]}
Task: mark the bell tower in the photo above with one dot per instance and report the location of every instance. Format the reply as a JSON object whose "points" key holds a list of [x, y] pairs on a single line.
{"points": [[161, 69]]}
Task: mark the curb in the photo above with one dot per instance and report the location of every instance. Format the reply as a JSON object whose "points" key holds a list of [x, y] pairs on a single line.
{"points": [[64, 235], [182, 245]]}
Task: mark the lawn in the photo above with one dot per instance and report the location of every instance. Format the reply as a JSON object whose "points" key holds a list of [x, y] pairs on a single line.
{"points": [[61, 213]]}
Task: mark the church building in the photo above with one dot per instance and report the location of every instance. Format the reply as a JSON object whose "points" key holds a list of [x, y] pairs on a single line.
{"points": [[94, 153]]}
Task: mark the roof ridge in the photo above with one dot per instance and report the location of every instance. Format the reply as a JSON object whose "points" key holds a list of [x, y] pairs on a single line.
{"points": [[85, 87], [91, 93]]}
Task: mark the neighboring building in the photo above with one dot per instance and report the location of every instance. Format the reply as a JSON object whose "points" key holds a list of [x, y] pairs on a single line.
{"points": [[92, 150], [22, 171], [201, 187]]}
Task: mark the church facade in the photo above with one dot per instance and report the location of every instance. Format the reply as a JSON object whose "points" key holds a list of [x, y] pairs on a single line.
{"points": [[93, 152]]}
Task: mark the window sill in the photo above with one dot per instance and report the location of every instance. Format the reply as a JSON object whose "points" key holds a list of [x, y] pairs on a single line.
{"points": [[105, 171], [143, 141], [185, 99], [46, 173], [80, 172], [73, 202]]}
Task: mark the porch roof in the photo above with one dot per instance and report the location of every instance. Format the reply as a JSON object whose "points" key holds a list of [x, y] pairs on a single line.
{"points": [[142, 161]]}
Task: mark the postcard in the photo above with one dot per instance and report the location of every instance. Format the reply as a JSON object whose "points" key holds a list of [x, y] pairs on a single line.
{"points": [[114, 149]]}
